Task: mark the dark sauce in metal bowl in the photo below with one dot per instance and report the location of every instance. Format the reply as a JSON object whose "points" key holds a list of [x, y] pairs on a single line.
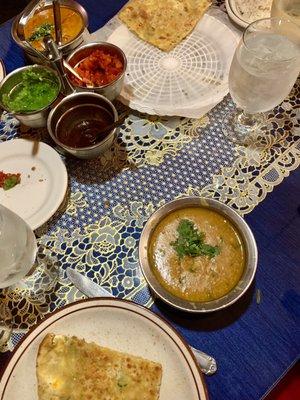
{"points": [[83, 125]]}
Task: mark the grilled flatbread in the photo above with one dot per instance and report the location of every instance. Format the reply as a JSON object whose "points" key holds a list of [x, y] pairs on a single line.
{"points": [[69, 368], [163, 23]]}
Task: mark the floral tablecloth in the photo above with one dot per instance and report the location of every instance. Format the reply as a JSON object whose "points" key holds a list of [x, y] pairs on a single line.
{"points": [[153, 160]]}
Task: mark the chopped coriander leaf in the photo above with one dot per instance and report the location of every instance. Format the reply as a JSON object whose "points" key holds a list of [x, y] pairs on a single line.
{"points": [[11, 181], [41, 31], [190, 242]]}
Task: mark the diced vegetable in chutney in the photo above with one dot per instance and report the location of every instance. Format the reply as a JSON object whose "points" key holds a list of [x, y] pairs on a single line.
{"points": [[197, 254]]}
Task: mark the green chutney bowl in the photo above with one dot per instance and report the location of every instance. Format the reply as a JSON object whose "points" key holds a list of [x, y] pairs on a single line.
{"points": [[10, 84]]}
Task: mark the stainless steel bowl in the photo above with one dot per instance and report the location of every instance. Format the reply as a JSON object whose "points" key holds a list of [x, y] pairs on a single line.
{"points": [[245, 234], [66, 49], [110, 90], [34, 119], [67, 104]]}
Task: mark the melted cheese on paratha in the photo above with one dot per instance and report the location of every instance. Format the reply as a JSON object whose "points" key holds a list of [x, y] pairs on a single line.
{"points": [[163, 23], [68, 368]]}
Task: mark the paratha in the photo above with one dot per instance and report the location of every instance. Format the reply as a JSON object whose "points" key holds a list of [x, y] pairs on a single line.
{"points": [[163, 23], [69, 368]]}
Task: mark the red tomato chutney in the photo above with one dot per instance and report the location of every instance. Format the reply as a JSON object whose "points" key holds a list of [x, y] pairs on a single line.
{"points": [[100, 67]]}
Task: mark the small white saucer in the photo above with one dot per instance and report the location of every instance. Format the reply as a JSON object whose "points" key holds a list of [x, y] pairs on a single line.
{"points": [[44, 180]]}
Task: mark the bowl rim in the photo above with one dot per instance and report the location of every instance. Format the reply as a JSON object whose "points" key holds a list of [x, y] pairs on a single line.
{"points": [[27, 67], [65, 99], [244, 231], [47, 3], [100, 44]]}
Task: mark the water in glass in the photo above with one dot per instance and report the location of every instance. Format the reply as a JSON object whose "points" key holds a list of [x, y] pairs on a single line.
{"points": [[289, 9], [263, 72], [18, 248]]}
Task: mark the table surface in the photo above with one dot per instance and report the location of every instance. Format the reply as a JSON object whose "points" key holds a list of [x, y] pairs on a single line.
{"points": [[254, 344]]}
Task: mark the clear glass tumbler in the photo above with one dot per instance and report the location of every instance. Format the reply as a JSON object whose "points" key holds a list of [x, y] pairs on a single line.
{"points": [[263, 71], [18, 248], [288, 9]]}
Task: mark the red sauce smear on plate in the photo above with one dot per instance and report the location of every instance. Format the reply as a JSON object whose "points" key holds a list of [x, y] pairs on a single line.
{"points": [[100, 67]]}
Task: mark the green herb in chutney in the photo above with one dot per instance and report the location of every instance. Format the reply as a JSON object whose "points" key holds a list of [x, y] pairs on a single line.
{"points": [[123, 381], [38, 88], [11, 182], [190, 242], [41, 31]]}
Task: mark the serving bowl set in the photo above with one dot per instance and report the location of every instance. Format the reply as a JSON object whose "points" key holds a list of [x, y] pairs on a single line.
{"points": [[74, 51]]}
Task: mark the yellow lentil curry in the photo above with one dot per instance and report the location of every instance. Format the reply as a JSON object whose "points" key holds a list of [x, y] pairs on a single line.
{"points": [[42, 23], [193, 277]]}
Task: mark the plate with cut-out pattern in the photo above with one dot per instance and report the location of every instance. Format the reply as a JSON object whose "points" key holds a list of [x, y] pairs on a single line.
{"points": [[184, 81]]}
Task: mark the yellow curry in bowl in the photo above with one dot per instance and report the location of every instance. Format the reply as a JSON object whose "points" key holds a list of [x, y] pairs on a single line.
{"points": [[42, 24], [196, 254]]}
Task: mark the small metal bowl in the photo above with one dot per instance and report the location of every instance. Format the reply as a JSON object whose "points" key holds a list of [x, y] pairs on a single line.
{"points": [[34, 119], [110, 90], [67, 48], [74, 100], [245, 234]]}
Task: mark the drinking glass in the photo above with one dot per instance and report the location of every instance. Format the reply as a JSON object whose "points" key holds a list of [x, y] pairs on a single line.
{"points": [[287, 9], [18, 250], [263, 71], [18, 247]]}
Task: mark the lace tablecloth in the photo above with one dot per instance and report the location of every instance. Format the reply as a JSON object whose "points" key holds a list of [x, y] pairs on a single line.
{"points": [[153, 160]]}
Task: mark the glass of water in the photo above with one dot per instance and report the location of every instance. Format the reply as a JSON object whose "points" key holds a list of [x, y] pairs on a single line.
{"points": [[288, 9], [18, 250], [264, 69]]}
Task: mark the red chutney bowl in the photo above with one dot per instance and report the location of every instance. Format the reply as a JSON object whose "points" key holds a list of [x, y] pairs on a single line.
{"points": [[103, 64]]}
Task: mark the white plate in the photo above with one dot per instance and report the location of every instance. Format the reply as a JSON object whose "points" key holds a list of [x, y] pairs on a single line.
{"points": [[187, 81], [234, 14], [2, 70], [44, 180], [237, 17], [120, 325]]}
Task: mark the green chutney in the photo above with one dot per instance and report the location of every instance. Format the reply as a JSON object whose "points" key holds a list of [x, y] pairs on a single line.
{"points": [[36, 91]]}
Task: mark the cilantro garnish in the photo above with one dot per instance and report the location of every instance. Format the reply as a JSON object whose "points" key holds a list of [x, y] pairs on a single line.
{"points": [[10, 182], [41, 31], [190, 242]]}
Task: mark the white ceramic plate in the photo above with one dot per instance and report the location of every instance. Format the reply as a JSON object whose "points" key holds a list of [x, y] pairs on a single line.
{"points": [[43, 184], [2, 70], [237, 17], [121, 325], [187, 81], [234, 14]]}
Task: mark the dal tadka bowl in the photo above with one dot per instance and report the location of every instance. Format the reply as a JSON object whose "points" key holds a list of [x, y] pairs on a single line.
{"points": [[74, 22], [29, 92], [103, 64], [77, 124], [203, 264]]}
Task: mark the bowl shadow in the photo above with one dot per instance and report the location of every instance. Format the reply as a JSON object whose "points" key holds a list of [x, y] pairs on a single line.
{"points": [[206, 322]]}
